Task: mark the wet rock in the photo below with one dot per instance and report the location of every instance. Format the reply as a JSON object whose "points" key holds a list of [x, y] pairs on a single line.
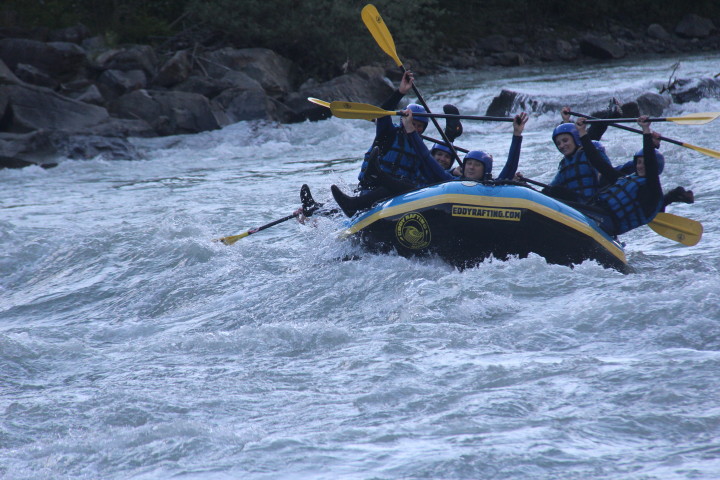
{"points": [[603, 48], [7, 76], [509, 102], [135, 57], [114, 83], [685, 90], [651, 104]]}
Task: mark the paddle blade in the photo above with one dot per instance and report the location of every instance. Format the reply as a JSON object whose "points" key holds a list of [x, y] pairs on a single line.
{"points": [[682, 230], [705, 151], [355, 110], [694, 118], [317, 101], [231, 239], [374, 22]]}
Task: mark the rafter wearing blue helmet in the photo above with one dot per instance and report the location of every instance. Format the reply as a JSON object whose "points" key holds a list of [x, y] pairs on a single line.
{"points": [[576, 178], [631, 200]]}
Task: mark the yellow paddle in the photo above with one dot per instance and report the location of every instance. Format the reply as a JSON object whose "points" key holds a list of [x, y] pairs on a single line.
{"points": [[703, 150], [365, 111], [681, 229], [690, 119], [375, 24]]}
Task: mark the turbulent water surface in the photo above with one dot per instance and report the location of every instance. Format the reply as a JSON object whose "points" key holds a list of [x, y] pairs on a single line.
{"points": [[131, 346]]}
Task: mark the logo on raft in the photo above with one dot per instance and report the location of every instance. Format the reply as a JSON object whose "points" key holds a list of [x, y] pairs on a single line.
{"points": [[412, 231], [511, 214]]}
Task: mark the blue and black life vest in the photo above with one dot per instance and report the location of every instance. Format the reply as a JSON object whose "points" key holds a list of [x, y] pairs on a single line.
{"points": [[621, 199], [399, 160], [578, 175]]}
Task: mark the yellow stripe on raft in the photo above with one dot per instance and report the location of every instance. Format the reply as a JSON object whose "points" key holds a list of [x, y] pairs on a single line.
{"points": [[479, 200]]}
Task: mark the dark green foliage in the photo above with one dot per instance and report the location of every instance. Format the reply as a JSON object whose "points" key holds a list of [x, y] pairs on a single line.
{"points": [[322, 36]]}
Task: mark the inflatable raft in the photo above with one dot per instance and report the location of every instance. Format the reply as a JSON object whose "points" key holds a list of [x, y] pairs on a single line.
{"points": [[465, 222]]}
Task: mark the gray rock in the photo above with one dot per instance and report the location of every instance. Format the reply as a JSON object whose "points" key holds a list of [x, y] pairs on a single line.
{"points": [[694, 26], [7, 76], [169, 113], [603, 48], [61, 60], [657, 31], [652, 104], [685, 90], [114, 83], [136, 57], [36, 108], [273, 72], [175, 70], [29, 74]]}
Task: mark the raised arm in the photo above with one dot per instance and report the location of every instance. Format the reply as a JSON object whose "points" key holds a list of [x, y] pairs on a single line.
{"points": [[428, 164], [511, 165], [593, 155]]}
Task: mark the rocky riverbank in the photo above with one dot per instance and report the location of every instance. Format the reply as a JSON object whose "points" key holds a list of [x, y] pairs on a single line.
{"points": [[66, 94]]}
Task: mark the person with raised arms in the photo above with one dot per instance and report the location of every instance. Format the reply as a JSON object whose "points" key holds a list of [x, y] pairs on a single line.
{"points": [[631, 200], [477, 166], [577, 179]]}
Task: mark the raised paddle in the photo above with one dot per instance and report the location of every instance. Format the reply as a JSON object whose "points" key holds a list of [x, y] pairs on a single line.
{"points": [[365, 111], [375, 24], [704, 151], [690, 119], [682, 230], [309, 207]]}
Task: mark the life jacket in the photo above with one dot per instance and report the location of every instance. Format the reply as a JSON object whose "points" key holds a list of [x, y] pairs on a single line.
{"points": [[621, 199], [578, 175], [398, 159]]}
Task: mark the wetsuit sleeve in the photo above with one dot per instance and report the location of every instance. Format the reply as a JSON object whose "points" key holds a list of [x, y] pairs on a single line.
{"points": [[392, 102], [429, 166], [651, 168], [597, 161], [384, 128], [511, 166]]}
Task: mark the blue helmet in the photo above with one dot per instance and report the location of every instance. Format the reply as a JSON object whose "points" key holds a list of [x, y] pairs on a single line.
{"points": [[660, 159], [567, 128], [416, 109], [440, 146], [481, 157]]}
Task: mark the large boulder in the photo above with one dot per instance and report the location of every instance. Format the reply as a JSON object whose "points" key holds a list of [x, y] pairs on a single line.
{"points": [[35, 108], [694, 26], [62, 60], [135, 57], [367, 85], [685, 90], [168, 112], [651, 104], [509, 102], [603, 48], [272, 71], [7, 76], [175, 70]]}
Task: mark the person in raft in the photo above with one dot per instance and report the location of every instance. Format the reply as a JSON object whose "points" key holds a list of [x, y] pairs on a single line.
{"points": [[631, 200], [476, 166], [596, 131], [577, 179]]}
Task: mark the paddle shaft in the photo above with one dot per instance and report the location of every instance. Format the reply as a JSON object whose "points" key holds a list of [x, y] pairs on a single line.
{"points": [[630, 129], [460, 117]]}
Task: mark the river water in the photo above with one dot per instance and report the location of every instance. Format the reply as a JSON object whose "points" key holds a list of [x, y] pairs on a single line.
{"points": [[133, 347]]}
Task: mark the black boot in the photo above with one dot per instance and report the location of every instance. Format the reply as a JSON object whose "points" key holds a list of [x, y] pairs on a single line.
{"points": [[453, 127], [351, 205]]}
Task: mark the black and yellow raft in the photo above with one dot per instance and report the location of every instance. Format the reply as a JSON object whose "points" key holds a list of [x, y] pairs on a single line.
{"points": [[465, 222]]}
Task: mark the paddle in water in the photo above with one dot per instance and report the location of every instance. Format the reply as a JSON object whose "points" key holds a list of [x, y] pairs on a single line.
{"points": [[308, 208]]}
